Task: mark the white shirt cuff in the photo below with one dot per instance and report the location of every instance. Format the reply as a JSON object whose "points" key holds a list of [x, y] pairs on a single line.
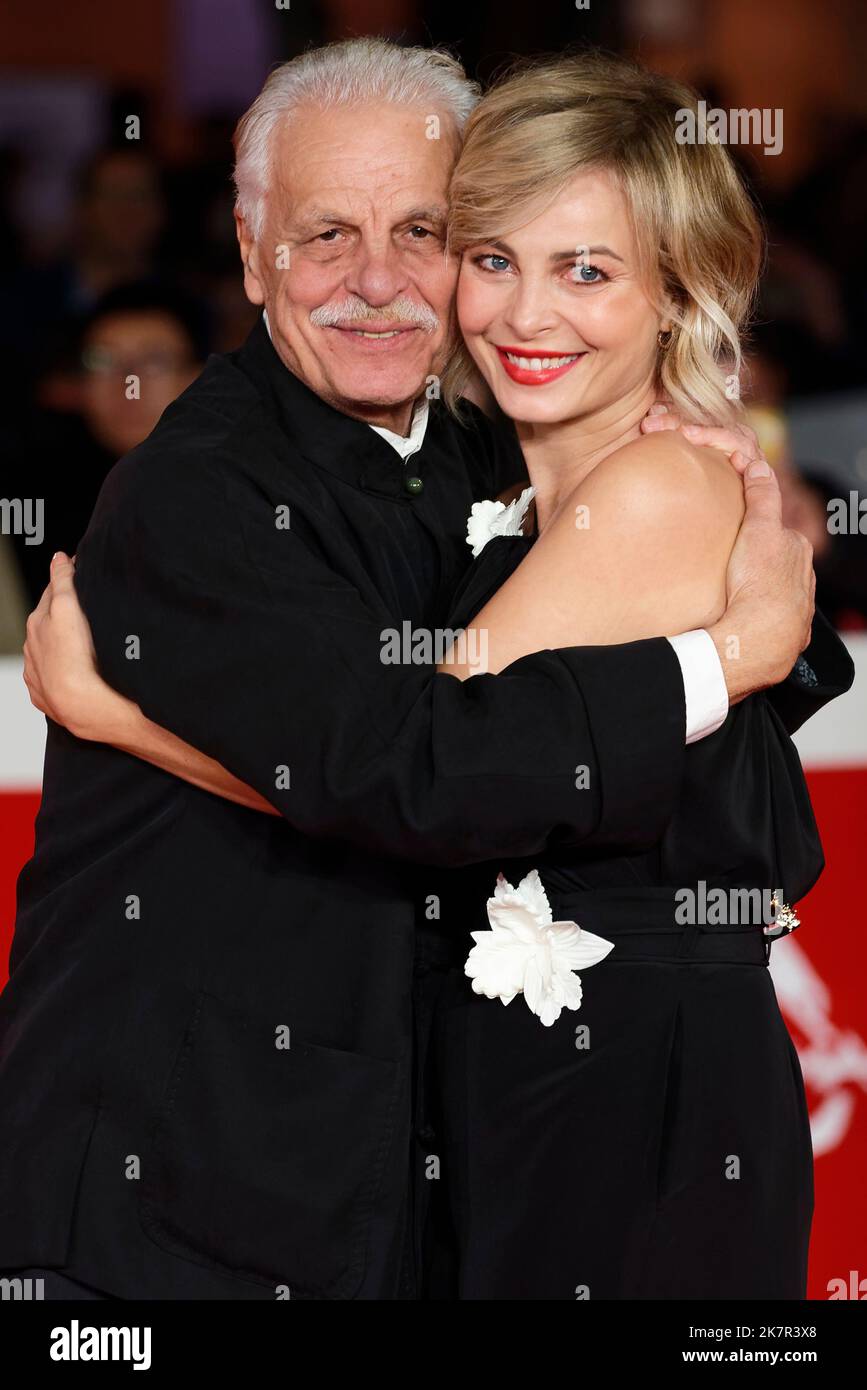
{"points": [[707, 700]]}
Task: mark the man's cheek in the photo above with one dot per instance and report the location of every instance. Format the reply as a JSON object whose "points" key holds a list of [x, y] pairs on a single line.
{"points": [[305, 284]]}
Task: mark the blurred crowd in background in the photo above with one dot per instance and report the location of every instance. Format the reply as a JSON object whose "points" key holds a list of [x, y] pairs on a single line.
{"points": [[118, 245]]}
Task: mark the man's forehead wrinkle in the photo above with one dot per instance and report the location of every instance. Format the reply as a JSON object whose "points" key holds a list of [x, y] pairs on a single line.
{"points": [[345, 141], [318, 123], [329, 194], [323, 157]]}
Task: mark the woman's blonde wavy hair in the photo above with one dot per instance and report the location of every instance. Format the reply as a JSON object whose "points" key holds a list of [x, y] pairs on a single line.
{"points": [[700, 240]]}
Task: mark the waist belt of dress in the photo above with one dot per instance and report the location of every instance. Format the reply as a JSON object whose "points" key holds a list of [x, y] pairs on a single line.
{"points": [[643, 923], [648, 924]]}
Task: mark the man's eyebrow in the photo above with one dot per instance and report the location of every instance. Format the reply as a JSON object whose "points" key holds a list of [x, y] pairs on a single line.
{"points": [[321, 217], [577, 253], [433, 213]]}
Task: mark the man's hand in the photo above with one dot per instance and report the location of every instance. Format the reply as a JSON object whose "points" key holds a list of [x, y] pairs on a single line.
{"points": [[738, 442], [770, 587], [59, 660], [770, 582]]}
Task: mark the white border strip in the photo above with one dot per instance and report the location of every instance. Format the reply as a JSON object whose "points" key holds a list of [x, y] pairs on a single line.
{"points": [[22, 731]]}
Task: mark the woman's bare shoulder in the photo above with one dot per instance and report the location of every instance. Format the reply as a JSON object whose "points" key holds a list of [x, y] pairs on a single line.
{"points": [[638, 549], [665, 475]]}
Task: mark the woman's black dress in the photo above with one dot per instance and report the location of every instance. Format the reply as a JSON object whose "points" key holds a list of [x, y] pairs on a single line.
{"points": [[654, 1143]]}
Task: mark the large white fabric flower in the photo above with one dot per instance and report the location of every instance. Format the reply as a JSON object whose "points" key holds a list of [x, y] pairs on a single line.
{"points": [[489, 519], [528, 953]]}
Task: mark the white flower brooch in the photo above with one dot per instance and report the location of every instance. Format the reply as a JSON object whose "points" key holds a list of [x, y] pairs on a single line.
{"points": [[528, 953], [488, 519]]}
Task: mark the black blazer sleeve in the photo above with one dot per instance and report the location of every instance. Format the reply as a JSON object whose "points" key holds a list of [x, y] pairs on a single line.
{"points": [[824, 671], [270, 662]]}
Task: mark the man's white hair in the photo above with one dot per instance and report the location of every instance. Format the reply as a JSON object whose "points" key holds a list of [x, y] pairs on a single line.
{"points": [[343, 73]]}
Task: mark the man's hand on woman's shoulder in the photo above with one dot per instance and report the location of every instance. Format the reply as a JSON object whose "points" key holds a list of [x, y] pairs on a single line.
{"points": [[770, 583], [771, 590], [738, 442]]}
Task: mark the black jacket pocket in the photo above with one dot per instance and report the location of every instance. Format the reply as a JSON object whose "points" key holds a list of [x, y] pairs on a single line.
{"points": [[266, 1162]]}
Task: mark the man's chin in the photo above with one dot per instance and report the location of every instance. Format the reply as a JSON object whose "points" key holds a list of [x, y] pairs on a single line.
{"points": [[380, 391]]}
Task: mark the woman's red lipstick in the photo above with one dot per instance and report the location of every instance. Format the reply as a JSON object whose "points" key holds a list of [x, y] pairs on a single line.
{"points": [[527, 376]]}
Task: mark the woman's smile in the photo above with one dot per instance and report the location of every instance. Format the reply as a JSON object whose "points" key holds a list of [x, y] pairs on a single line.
{"points": [[536, 369]]}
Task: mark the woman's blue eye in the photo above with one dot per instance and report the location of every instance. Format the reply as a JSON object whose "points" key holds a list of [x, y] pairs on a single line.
{"points": [[588, 274], [480, 260]]}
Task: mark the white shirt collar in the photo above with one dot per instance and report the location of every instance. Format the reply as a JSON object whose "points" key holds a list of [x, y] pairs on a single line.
{"points": [[406, 445]]}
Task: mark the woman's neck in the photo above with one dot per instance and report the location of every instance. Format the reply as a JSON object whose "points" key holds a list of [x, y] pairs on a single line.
{"points": [[559, 456]]}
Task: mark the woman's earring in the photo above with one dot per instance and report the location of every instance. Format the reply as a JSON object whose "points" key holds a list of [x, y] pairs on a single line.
{"points": [[664, 339]]}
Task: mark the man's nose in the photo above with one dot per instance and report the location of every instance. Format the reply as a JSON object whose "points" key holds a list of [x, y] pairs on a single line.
{"points": [[377, 275]]}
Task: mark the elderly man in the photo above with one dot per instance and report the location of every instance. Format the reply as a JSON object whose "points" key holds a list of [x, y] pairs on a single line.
{"points": [[208, 1085]]}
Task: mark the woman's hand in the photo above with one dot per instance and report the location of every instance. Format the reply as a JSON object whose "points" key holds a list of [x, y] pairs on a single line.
{"points": [[60, 663], [738, 442], [60, 674]]}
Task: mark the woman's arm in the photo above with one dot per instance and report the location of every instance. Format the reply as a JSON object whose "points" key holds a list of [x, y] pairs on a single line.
{"points": [[60, 674], [132, 732], [638, 550]]}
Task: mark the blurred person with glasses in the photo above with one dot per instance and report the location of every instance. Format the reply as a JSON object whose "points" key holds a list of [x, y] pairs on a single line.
{"points": [[139, 348]]}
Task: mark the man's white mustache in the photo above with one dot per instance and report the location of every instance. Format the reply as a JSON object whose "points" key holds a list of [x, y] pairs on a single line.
{"points": [[352, 311]]}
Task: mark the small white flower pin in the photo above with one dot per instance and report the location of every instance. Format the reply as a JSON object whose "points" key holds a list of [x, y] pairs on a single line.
{"points": [[489, 519], [528, 953]]}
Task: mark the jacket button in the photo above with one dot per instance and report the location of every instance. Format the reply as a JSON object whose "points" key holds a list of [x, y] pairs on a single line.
{"points": [[413, 486]]}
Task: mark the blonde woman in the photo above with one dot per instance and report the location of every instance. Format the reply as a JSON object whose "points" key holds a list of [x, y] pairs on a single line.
{"points": [[650, 1139]]}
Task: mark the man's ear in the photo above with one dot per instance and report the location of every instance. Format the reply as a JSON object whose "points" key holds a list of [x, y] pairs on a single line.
{"points": [[254, 287]]}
